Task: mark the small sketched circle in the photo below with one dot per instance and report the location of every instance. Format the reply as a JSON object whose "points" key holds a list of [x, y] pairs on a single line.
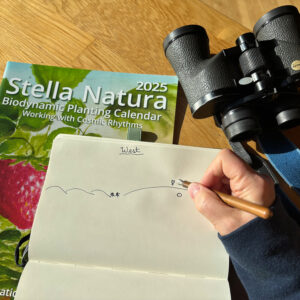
{"points": [[179, 195]]}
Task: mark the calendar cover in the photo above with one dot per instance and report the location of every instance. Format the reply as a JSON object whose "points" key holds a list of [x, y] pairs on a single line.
{"points": [[37, 103]]}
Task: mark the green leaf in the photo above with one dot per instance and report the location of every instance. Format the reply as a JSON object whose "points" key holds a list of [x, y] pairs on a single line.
{"points": [[9, 272], [7, 127], [5, 248], [10, 235], [36, 122], [55, 133], [11, 145], [7, 110], [67, 77], [5, 258], [9, 238], [5, 224], [9, 283], [70, 117], [39, 163], [25, 148], [94, 134], [37, 142], [161, 127]]}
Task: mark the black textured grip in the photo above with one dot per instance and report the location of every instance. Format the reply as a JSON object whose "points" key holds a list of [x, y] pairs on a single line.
{"points": [[251, 60], [198, 74], [284, 31]]}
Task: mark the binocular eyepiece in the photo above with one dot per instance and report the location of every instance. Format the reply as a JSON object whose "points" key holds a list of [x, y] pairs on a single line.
{"points": [[249, 87]]}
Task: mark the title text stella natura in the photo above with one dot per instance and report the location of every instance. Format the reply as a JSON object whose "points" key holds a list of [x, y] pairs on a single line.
{"points": [[109, 98]]}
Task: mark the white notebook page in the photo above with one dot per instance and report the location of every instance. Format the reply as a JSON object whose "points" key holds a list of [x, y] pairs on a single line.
{"points": [[111, 219]]}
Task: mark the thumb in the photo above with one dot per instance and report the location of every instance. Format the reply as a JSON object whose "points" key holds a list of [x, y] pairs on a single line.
{"points": [[210, 205]]}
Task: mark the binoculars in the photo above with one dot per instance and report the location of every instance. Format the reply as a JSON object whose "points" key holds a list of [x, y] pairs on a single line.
{"points": [[249, 87]]}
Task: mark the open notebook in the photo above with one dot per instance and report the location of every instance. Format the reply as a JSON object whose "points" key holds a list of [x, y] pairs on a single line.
{"points": [[112, 224]]}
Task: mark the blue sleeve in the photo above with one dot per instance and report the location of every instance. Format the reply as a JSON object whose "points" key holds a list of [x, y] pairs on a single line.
{"points": [[266, 256]]}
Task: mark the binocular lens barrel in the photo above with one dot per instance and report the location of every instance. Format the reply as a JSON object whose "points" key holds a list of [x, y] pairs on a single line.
{"points": [[240, 124], [288, 118], [279, 31], [185, 47], [282, 25], [200, 39], [204, 80]]}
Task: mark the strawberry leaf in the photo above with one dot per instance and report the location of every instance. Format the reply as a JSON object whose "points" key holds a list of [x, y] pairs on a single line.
{"points": [[11, 235], [9, 272], [55, 133], [12, 145], [67, 77], [9, 284], [37, 142], [25, 148], [5, 224], [33, 119], [9, 238], [39, 165], [7, 127]]}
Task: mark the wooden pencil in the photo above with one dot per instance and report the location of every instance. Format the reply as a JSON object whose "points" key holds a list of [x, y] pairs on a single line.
{"points": [[245, 205]]}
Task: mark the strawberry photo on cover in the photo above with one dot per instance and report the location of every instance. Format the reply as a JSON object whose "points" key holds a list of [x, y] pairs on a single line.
{"points": [[20, 189]]}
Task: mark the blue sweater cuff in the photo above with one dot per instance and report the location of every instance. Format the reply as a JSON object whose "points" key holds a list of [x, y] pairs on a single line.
{"points": [[266, 255], [253, 223]]}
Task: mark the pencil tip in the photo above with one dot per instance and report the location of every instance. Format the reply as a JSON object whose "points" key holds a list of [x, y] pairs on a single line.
{"points": [[180, 181], [183, 183]]}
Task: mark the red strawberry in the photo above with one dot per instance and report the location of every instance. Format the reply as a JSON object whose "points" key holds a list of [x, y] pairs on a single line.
{"points": [[20, 188]]}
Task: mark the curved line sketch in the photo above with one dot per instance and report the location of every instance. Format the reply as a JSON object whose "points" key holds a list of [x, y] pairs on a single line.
{"points": [[67, 191], [100, 191], [125, 194], [79, 189], [56, 186], [154, 187]]}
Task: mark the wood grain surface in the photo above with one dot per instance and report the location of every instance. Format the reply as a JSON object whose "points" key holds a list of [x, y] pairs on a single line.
{"points": [[127, 36]]}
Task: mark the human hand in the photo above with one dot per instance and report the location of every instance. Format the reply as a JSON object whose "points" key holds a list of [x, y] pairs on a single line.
{"points": [[231, 175]]}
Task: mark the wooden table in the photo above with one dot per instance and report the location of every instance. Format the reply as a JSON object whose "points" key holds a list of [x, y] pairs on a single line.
{"points": [[127, 36]]}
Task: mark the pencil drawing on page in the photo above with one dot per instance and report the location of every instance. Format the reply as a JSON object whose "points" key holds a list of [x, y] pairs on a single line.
{"points": [[114, 194]]}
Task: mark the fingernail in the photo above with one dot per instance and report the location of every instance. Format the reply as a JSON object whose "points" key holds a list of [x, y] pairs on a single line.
{"points": [[193, 189]]}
